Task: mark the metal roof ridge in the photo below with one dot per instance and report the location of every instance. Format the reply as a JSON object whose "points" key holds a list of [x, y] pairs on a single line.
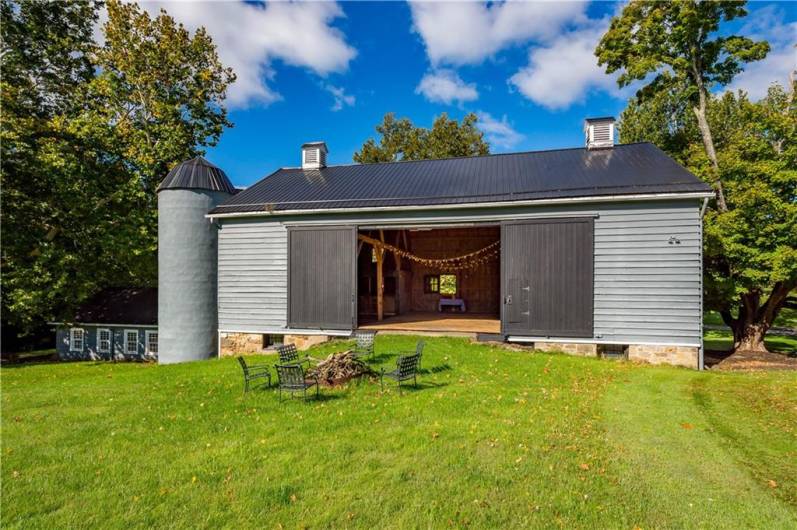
{"points": [[490, 155]]}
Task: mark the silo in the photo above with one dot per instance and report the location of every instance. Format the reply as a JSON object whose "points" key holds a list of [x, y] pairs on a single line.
{"points": [[187, 261]]}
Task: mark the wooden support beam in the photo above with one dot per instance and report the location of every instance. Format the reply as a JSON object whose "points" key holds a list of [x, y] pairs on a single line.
{"points": [[380, 284]]}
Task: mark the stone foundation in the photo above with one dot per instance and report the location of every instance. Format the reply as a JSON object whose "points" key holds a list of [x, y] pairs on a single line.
{"points": [[583, 350], [303, 342], [675, 355], [249, 343], [241, 343]]}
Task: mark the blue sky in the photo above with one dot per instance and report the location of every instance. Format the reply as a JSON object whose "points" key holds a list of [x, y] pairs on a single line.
{"points": [[326, 71]]}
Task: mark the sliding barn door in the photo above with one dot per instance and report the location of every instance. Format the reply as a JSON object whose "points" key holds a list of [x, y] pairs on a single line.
{"points": [[547, 275], [321, 278]]}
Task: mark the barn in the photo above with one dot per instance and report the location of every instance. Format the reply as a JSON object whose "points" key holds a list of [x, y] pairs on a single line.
{"points": [[594, 250]]}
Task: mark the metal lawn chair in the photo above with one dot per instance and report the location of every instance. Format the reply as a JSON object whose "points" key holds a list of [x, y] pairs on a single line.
{"points": [[292, 379], [254, 372], [406, 369], [364, 345], [288, 354]]}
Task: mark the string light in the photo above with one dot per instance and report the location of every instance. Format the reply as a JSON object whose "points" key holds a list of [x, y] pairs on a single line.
{"points": [[472, 260]]}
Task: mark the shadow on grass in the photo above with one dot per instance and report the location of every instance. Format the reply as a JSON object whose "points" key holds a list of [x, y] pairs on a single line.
{"points": [[436, 369], [311, 398]]}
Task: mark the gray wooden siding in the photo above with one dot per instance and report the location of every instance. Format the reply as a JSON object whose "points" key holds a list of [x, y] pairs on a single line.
{"points": [[646, 289], [253, 277]]}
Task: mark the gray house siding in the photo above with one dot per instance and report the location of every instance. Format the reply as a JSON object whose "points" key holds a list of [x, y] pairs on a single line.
{"points": [[253, 276], [90, 350], [648, 254]]}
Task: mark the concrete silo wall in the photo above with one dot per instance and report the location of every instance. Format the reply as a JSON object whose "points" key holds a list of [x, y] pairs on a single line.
{"points": [[187, 275]]}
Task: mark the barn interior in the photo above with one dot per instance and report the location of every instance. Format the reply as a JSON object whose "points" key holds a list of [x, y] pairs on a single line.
{"points": [[433, 279]]}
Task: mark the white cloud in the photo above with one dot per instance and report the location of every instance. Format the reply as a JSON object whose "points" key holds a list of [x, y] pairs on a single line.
{"points": [[445, 86], [564, 71], [250, 38], [468, 32], [767, 23], [341, 98], [499, 133]]}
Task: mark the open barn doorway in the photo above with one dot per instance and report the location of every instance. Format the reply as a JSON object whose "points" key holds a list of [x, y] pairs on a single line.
{"points": [[430, 279]]}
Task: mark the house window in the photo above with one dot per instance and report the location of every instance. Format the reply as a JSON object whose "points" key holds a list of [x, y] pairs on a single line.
{"points": [[448, 284], [76, 336], [131, 342], [152, 342], [431, 283], [104, 340]]}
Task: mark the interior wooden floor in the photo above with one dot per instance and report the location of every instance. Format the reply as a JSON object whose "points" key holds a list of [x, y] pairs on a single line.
{"points": [[436, 322]]}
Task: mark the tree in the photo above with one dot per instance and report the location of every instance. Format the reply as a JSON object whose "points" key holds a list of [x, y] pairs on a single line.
{"points": [[46, 66], [401, 140], [750, 249], [84, 151], [677, 43]]}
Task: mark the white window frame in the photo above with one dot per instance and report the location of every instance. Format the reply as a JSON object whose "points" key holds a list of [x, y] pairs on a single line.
{"points": [[72, 339], [147, 334], [99, 340], [127, 350]]}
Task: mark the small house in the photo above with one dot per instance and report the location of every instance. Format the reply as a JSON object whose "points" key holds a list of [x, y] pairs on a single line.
{"points": [[119, 324]]}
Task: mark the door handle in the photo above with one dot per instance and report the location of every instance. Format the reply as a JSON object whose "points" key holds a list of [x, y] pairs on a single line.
{"points": [[508, 300]]}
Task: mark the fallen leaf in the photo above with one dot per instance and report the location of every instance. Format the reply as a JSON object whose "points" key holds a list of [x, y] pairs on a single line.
{"points": [[584, 466], [687, 425], [773, 484]]}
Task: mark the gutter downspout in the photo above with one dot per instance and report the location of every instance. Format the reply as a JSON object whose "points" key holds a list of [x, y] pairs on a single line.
{"points": [[701, 351]]}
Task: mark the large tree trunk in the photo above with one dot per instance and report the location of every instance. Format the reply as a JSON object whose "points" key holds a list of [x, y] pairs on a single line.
{"points": [[754, 320], [708, 144]]}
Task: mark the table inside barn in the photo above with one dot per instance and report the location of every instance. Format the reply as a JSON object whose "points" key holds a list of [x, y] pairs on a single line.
{"points": [[451, 302]]}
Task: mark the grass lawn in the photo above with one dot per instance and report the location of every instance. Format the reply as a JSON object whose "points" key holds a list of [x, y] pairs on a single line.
{"points": [[787, 318], [492, 438]]}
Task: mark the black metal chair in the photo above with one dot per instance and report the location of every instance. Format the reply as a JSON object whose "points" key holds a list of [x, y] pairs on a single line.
{"points": [[288, 354], [406, 369], [364, 345], [419, 352], [292, 379], [254, 372]]}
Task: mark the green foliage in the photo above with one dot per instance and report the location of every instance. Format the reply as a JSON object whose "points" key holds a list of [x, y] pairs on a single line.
{"points": [[87, 133], [673, 42], [401, 140], [493, 438], [448, 284], [744, 149], [751, 247]]}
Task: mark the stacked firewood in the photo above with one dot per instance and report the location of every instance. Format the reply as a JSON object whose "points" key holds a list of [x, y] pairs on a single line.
{"points": [[339, 368]]}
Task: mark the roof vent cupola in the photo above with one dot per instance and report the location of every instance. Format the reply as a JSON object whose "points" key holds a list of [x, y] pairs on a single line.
{"points": [[314, 155], [599, 132]]}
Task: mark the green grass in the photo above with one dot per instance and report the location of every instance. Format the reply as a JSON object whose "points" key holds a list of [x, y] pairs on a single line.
{"points": [[787, 318], [493, 438]]}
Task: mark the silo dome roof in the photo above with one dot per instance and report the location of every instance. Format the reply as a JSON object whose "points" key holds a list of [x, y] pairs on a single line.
{"points": [[197, 174]]}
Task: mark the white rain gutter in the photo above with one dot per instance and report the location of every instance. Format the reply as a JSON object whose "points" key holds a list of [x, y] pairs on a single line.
{"points": [[460, 206]]}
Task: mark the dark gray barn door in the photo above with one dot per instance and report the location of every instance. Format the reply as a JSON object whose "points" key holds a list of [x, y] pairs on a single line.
{"points": [[321, 272], [547, 268]]}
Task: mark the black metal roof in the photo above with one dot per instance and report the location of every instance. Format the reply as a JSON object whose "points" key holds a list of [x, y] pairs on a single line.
{"points": [[135, 305], [197, 174], [622, 170]]}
